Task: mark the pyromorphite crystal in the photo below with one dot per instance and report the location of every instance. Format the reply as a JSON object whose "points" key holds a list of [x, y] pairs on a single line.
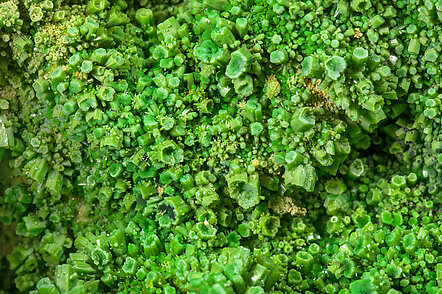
{"points": [[362, 287], [311, 67], [4, 142], [244, 189], [334, 67], [208, 51], [238, 63]]}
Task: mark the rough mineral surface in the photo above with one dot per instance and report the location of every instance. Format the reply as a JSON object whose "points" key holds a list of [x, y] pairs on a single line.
{"points": [[220, 146]]}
